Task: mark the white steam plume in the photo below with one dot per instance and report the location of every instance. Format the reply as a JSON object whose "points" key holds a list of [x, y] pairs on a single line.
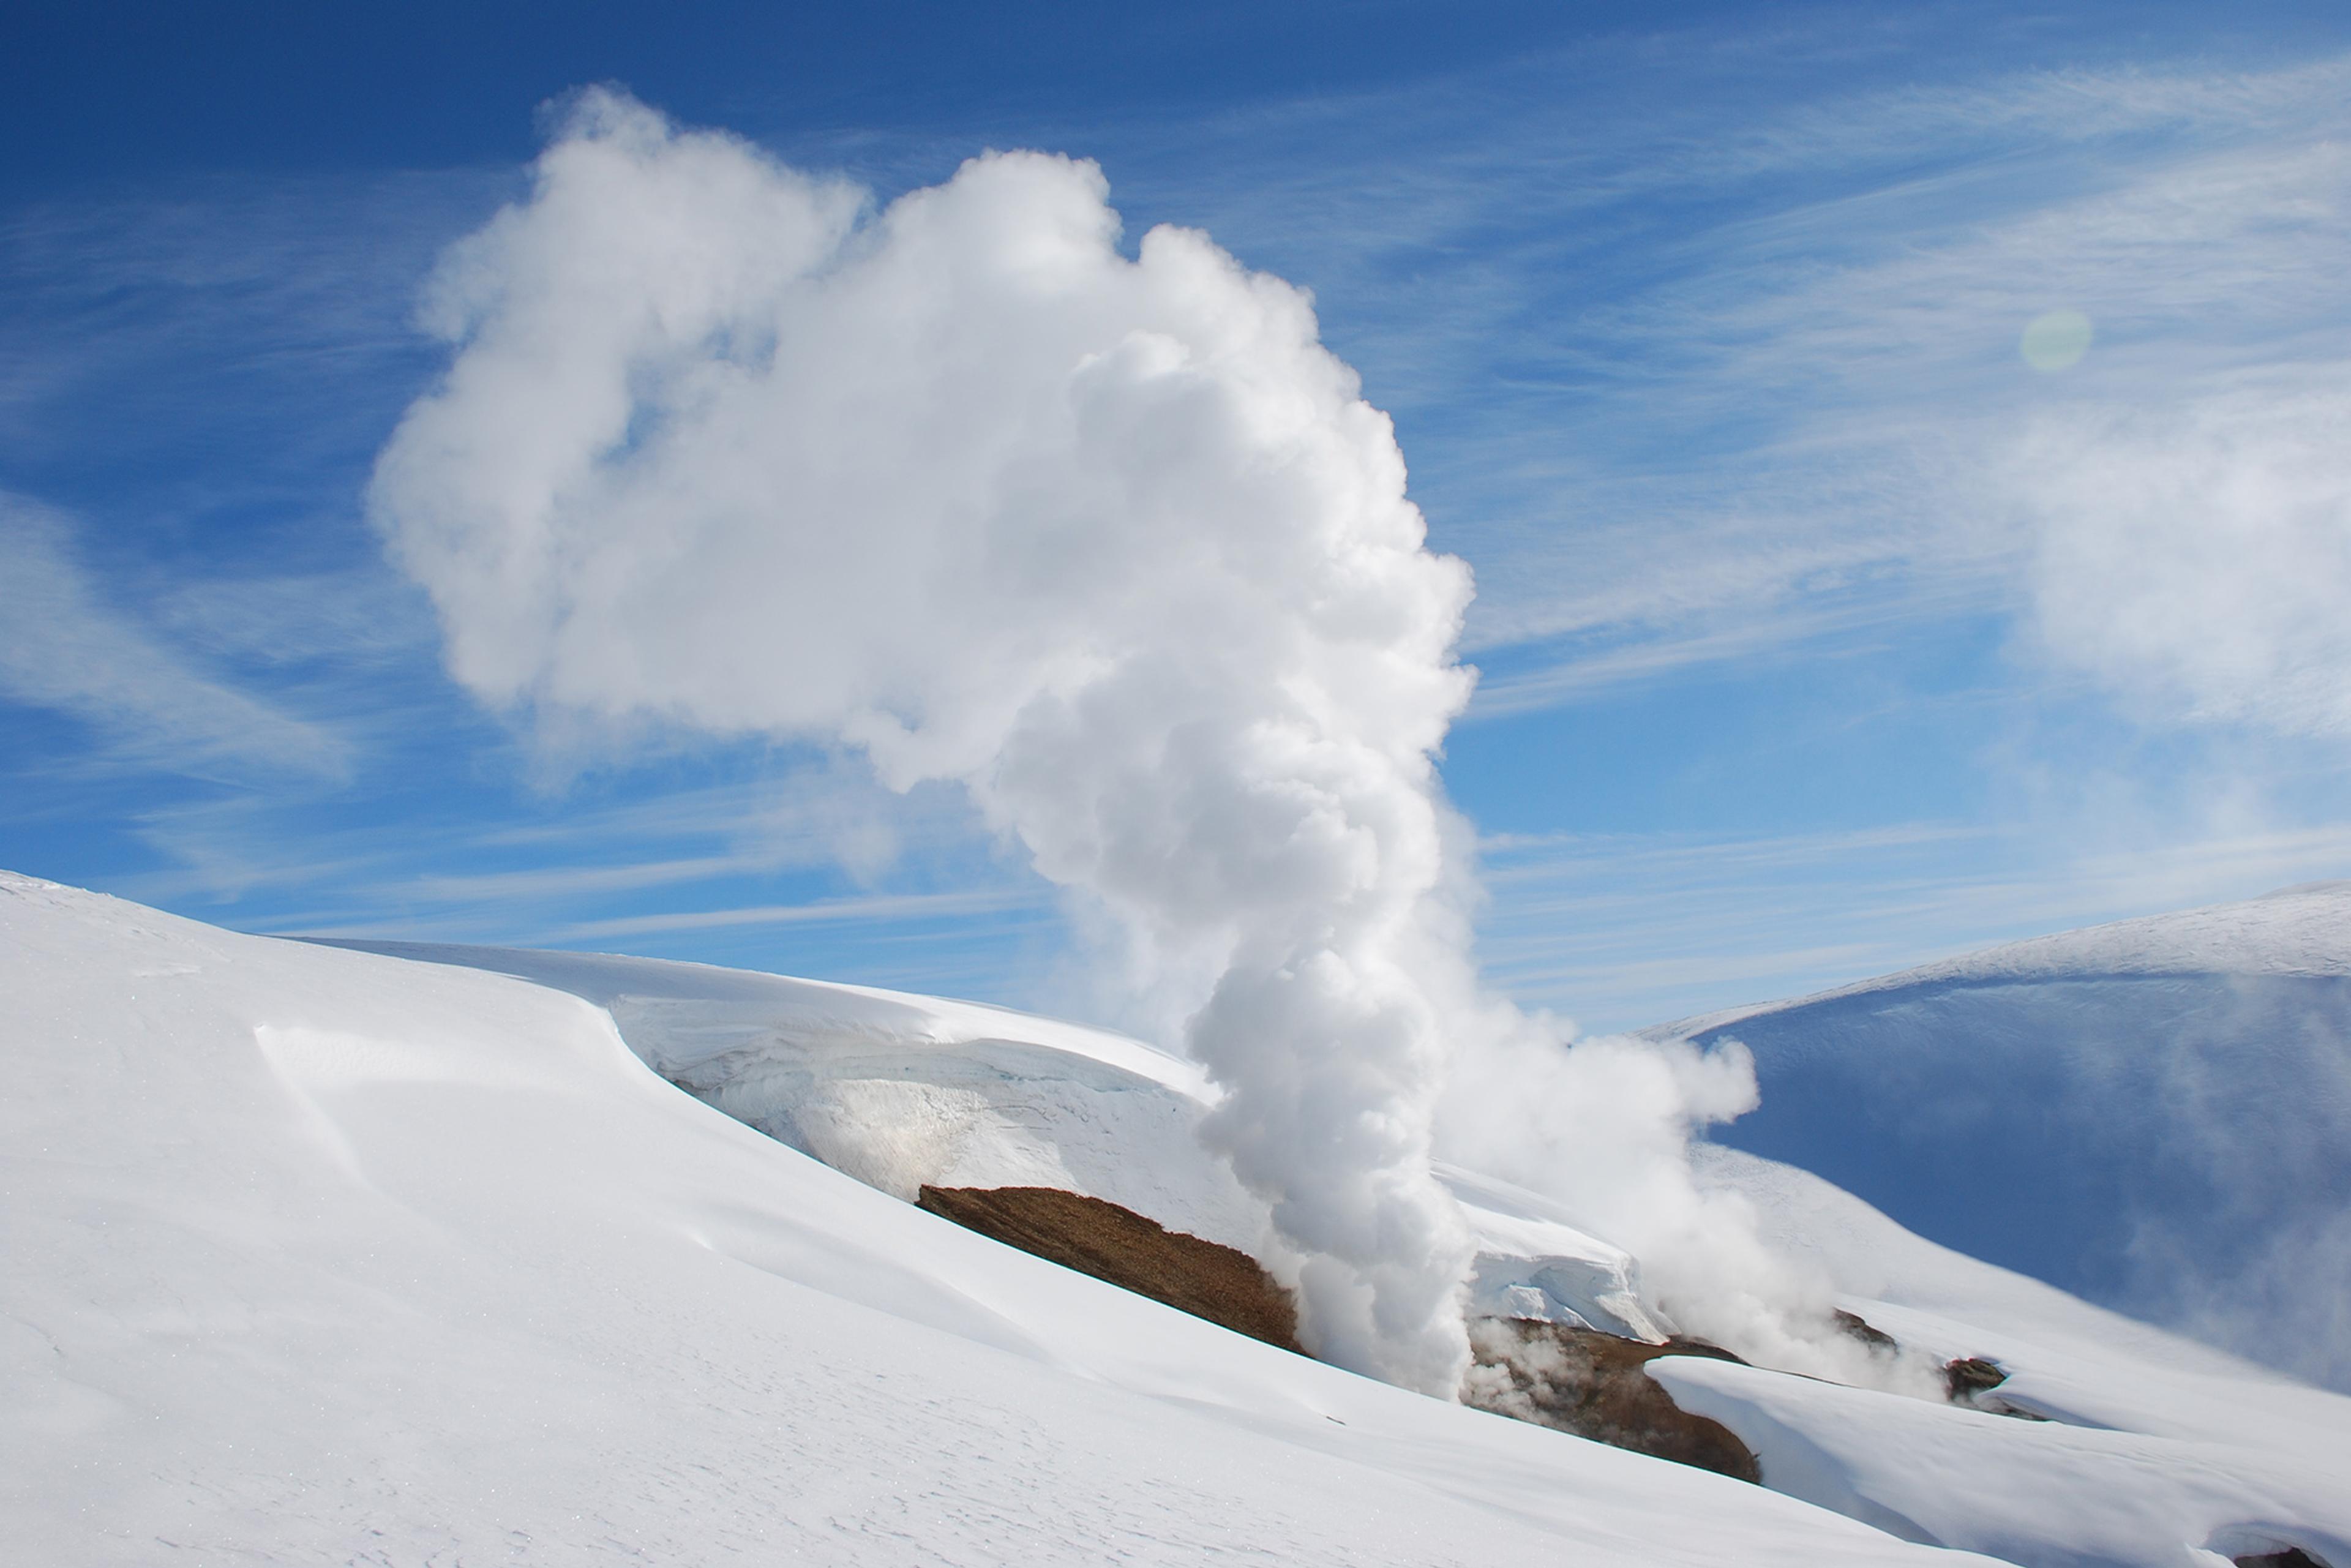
{"points": [[1604, 1127], [1114, 542]]}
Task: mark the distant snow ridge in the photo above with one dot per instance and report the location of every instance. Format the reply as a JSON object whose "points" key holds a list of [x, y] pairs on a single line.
{"points": [[2155, 1115]]}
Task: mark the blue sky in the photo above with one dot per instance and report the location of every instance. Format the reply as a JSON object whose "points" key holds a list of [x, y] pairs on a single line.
{"points": [[1821, 632]]}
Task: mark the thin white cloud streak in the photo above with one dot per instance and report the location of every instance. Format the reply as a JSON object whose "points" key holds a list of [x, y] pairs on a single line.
{"points": [[816, 816], [552, 883], [984, 953], [874, 907], [238, 853], [227, 304], [358, 621], [65, 646], [1535, 855], [212, 361], [2065, 105], [1752, 643]]}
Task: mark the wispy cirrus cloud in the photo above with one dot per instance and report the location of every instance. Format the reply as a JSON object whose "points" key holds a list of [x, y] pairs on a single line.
{"points": [[1740, 369], [66, 646], [271, 313], [1868, 344], [535, 872], [871, 907], [1703, 347]]}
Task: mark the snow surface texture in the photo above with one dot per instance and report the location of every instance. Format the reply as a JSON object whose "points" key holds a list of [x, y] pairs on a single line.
{"points": [[2154, 1115], [321, 1255], [2152, 1444]]}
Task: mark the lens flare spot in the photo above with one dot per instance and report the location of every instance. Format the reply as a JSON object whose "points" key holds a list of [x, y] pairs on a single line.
{"points": [[2055, 342]]}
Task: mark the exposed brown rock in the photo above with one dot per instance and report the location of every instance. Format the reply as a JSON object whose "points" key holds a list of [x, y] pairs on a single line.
{"points": [[1969, 1375], [1121, 1246], [2291, 1557], [1969, 1380], [1572, 1380], [1594, 1384], [1856, 1327]]}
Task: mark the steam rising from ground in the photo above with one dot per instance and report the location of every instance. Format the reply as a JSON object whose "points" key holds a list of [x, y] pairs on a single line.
{"points": [[1113, 542], [1604, 1128]]}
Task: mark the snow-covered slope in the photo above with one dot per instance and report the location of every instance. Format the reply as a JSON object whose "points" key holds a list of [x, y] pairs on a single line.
{"points": [[320, 1255], [2154, 1115], [317, 1256], [2153, 1444]]}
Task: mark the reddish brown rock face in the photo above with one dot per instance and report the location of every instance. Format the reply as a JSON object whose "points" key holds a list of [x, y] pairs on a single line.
{"points": [[1594, 1384], [1124, 1248], [1572, 1380]]}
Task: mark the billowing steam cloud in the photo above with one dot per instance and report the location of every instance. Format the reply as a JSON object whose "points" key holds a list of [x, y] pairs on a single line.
{"points": [[1114, 542]]}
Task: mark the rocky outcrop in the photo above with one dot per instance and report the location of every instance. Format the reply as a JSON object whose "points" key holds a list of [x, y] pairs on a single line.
{"points": [[1594, 1384], [1855, 1326], [1121, 1248], [1970, 1377], [1569, 1378]]}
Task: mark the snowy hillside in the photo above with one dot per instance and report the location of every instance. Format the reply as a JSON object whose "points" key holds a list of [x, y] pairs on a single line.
{"points": [[328, 1256], [2154, 1115]]}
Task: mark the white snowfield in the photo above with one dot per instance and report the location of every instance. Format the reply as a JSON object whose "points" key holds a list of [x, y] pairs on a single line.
{"points": [[319, 1256], [322, 1256], [2153, 1443]]}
